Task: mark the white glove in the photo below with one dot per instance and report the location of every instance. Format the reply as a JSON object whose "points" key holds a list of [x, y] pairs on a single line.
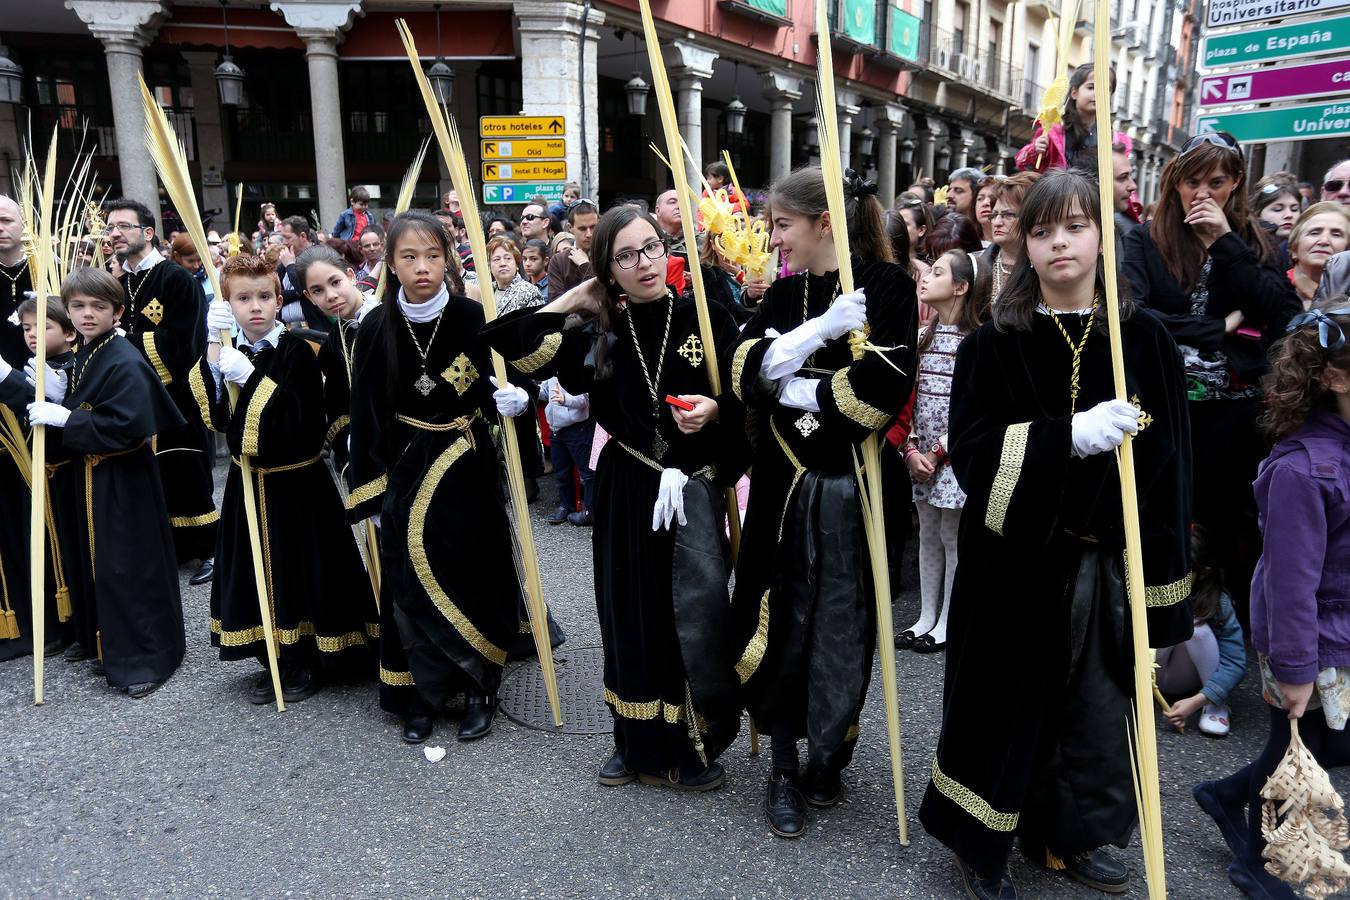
{"points": [[55, 384], [800, 393], [848, 313], [42, 412], [669, 499], [511, 401], [5, 369], [1103, 427], [218, 318], [235, 367]]}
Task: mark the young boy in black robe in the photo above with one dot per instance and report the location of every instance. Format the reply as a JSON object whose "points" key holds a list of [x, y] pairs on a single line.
{"points": [[113, 405], [16, 637], [323, 611]]}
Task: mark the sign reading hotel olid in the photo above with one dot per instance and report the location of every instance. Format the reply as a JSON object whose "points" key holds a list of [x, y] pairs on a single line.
{"points": [[537, 148], [1323, 79], [1239, 12], [1315, 37]]}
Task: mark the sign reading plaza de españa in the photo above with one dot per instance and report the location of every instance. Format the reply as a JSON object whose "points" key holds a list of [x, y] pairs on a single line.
{"points": [[523, 157], [1313, 37]]}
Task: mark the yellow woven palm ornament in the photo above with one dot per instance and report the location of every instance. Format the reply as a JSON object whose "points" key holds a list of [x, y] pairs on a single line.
{"points": [[1303, 822]]}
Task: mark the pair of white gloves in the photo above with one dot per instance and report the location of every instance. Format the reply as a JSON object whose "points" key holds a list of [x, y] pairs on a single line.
{"points": [[789, 352], [48, 411]]}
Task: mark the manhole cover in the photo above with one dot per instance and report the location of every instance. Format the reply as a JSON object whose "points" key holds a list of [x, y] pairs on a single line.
{"points": [[580, 674]]}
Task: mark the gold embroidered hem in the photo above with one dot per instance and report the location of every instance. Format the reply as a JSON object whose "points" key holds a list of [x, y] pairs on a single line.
{"points": [[972, 802], [860, 411], [1005, 480], [417, 553], [152, 354], [368, 491], [541, 357], [396, 679], [738, 364], [289, 636], [1169, 594], [335, 429], [198, 385], [253, 415], [759, 642], [649, 710], [194, 521]]}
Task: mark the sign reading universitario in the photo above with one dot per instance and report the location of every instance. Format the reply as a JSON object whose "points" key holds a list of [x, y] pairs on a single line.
{"points": [[1316, 37], [1239, 12]]}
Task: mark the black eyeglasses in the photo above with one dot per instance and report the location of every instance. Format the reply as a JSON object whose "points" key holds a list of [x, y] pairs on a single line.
{"points": [[530, 217], [1332, 187], [653, 249], [1218, 138]]}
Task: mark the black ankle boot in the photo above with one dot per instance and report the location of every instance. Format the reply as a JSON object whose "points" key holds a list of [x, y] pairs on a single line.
{"points": [[479, 711], [823, 787], [999, 887], [615, 772], [784, 806]]}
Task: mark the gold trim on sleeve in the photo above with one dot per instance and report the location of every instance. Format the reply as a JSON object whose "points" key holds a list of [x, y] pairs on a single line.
{"points": [[738, 364], [860, 411], [759, 642], [972, 802], [253, 415], [417, 553], [368, 491], [1005, 480], [335, 429], [148, 342], [198, 385], [1168, 594], [536, 360], [194, 521]]}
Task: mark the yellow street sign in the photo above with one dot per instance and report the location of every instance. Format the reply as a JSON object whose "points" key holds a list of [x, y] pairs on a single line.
{"points": [[521, 126], [542, 170], [539, 148]]}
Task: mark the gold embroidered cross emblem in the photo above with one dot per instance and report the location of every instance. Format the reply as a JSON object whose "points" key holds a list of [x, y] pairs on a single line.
{"points": [[692, 350], [1145, 419], [154, 311], [461, 374]]}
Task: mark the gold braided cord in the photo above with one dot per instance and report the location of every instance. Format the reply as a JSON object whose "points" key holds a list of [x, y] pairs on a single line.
{"points": [[758, 643], [972, 802], [368, 491], [417, 553], [1075, 349], [738, 360], [860, 411], [152, 353], [253, 414], [1007, 476], [798, 470], [276, 470], [461, 424], [541, 357], [195, 521], [335, 429], [91, 460], [9, 623]]}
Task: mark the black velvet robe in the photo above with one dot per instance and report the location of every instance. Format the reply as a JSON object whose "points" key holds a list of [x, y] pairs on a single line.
{"points": [[804, 607], [661, 596], [165, 319], [323, 610], [125, 566], [15, 281], [15, 500], [428, 466], [1039, 659]]}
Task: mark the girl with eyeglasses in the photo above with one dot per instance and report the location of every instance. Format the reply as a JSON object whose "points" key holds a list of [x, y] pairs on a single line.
{"points": [[1005, 253], [661, 566], [1300, 621], [1208, 272]]}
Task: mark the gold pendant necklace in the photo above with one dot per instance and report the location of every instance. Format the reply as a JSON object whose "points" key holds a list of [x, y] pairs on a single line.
{"points": [[424, 384], [14, 279], [1075, 349], [659, 445]]}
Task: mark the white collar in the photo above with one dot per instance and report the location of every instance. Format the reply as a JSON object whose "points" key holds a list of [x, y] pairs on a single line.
{"points": [[151, 259], [1046, 311], [426, 310], [271, 339]]}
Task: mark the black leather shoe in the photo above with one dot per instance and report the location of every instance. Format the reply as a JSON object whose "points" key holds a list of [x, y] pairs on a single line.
{"points": [[559, 516], [76, 652], [582, 518], [823, 788], [261, 693], [924, 643], [784, 806], [904, 640], [297, 683], [615, 772], [978, 888], [1094, 868], [479, 710], [144, 689], [417, 729], [709, 779], [205, 573]]}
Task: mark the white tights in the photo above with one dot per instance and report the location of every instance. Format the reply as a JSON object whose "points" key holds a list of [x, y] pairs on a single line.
{"points": [[937, 567]]}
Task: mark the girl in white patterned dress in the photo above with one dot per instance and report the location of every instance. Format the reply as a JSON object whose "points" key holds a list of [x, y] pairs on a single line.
{"points": [[959, 292]]}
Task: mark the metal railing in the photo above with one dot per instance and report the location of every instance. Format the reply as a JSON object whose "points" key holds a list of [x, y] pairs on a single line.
{"points": [[85, 128]]}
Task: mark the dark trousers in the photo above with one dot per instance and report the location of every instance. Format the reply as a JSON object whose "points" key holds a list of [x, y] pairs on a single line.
{"points": [[571, 446]]}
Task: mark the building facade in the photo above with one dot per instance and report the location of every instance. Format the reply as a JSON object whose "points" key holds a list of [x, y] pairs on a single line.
{"points": [[328, 101]]}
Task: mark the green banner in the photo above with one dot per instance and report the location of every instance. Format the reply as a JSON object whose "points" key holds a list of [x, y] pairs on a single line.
{"points": [[1254, 45], [1281, 123], [772, 7], [858, 20], [902, 37]]}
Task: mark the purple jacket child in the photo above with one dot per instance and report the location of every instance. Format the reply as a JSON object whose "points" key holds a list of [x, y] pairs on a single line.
{"points": [[1301, 588]]}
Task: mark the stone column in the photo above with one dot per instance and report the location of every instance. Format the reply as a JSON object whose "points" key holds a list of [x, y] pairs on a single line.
{"points": [[782, 91], [929, 138], [847, 101], [887, 121], [558, 77], [125, 28], [11, 148], [210, 136], [963, 145], [320, 24], [688, 66]]}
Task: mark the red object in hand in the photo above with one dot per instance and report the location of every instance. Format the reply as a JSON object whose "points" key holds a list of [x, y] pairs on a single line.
{"points": [[682, 404]]}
